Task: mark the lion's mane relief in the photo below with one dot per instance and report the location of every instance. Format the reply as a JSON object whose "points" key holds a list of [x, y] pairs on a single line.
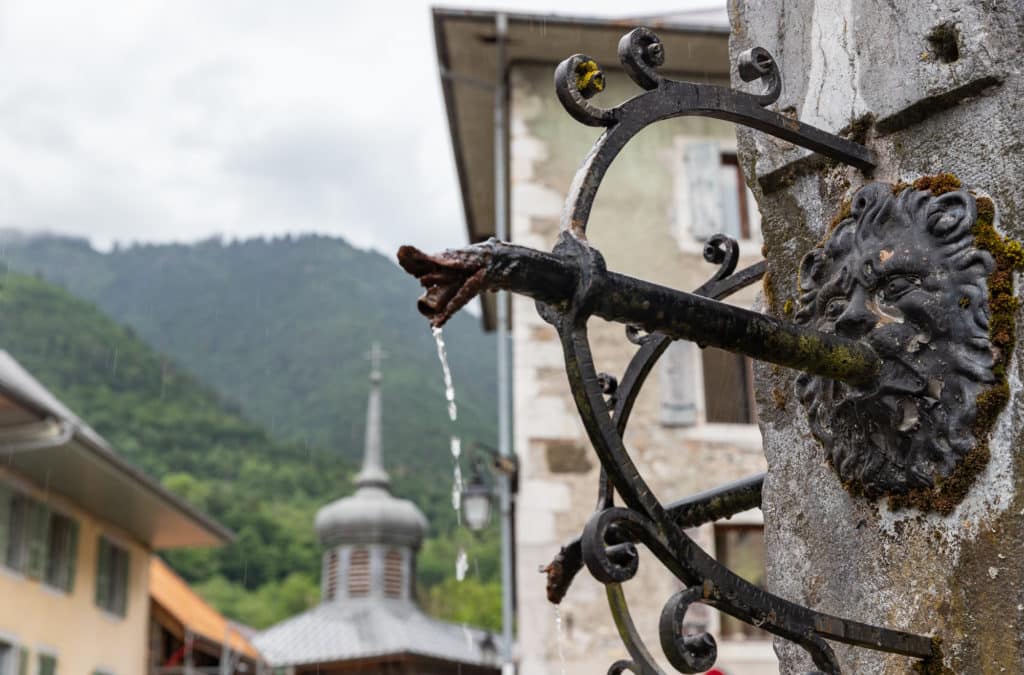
{"points": [[902, 274]]}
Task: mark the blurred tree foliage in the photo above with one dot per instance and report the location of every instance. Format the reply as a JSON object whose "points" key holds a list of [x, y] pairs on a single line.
{"points": [[279, 328], [267, 490]]}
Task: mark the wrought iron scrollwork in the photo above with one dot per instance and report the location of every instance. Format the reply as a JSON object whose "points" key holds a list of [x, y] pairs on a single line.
{"points": [[608, 541], [572, 284]]}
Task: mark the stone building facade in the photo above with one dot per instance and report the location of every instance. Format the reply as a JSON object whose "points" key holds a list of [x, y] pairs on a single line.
{"points": [[643, 224], [694, 426]]}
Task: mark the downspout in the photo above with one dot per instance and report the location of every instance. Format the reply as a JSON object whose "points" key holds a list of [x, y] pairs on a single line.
{"points": [[504, 352]]}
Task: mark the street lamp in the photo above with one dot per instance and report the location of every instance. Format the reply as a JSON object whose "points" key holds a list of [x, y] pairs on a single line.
{"points": [[477, 496]]}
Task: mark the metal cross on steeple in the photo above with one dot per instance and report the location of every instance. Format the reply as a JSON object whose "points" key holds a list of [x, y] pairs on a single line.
{"points": [[373, 474]]}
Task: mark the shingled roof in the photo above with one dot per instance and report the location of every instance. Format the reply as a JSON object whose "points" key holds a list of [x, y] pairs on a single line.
{"points": [[362, 629]]}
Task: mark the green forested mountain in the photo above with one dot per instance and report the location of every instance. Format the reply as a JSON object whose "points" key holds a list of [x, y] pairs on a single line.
{"points": [[279, 328], [161, 418]]}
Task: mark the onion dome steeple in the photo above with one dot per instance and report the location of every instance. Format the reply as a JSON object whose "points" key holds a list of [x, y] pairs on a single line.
{"points": [[370, 537]]}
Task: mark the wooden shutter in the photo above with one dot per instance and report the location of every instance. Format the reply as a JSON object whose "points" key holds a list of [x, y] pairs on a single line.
{"points": [[5, 520], [72, 561], [728, 396], [47, 664], [359, 573], [702, 163], [678, 380], [17, 535], [103, 574], [331, 575], [38, 540], [394, 577], [121, 581]]}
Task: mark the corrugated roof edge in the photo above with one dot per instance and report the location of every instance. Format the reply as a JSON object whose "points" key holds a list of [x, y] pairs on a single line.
{"points": [[34, 395]]}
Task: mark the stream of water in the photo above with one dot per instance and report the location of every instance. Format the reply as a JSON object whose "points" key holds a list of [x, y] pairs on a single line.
{"points": [[560, 639], [449, 390], [455, 446]]}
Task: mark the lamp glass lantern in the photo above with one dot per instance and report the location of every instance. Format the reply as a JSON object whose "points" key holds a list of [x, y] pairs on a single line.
{"points": [[476, 502]]}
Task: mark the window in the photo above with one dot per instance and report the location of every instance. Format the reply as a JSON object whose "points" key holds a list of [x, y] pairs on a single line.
{"points": [[331, 575], [36, 541], [393, 574], [728, 387], [112, 577], [47, 665], [741, 549], [727, 381], [712, 197], [61, 552], [359, 573]]}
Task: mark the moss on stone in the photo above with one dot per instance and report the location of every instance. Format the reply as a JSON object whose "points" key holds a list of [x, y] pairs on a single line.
{"points": [[939, 184], [933, 664], [787, 307], [769, 292], [900, 186], [779, 398], [857, 130], [841, 215]]}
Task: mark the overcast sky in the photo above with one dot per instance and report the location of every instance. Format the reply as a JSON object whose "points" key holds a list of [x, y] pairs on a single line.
{"points": [[176, 121]]}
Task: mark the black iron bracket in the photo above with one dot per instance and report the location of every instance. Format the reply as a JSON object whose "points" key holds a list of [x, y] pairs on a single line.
{"points": [[572, 283]]}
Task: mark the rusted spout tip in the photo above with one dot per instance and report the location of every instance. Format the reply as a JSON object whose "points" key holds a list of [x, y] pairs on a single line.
{"points": [[562, 570], [452, 278]]}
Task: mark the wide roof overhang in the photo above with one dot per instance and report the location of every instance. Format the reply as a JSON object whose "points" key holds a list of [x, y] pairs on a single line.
{"points": [[43, 441]]}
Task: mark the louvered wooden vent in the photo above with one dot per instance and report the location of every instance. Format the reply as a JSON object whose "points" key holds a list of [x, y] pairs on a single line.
{"points": [[331, 586], [393, 574], [359, 573]]}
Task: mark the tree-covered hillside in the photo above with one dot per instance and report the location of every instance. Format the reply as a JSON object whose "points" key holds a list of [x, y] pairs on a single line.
{"points": [[280, 328], [167, 423]]}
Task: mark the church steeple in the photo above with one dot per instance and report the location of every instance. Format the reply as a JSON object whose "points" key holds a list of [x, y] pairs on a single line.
{"points": [[371, 537], [373, 474]]}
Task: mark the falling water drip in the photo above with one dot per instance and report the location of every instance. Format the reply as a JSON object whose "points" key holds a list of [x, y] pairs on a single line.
{"points": [[449, 390], [457, 493], [456, 446], [560, 638], [461, 565], [461, 561]]}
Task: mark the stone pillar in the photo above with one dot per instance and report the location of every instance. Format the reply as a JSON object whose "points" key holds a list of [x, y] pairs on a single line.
{"points": [[932, 86]]}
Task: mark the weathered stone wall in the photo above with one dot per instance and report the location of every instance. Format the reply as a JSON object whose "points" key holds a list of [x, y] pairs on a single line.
{"points": [[933, 87], [631, 225]]}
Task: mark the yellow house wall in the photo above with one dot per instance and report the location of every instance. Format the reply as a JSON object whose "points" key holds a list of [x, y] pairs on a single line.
{"points": [[84, 637]]}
